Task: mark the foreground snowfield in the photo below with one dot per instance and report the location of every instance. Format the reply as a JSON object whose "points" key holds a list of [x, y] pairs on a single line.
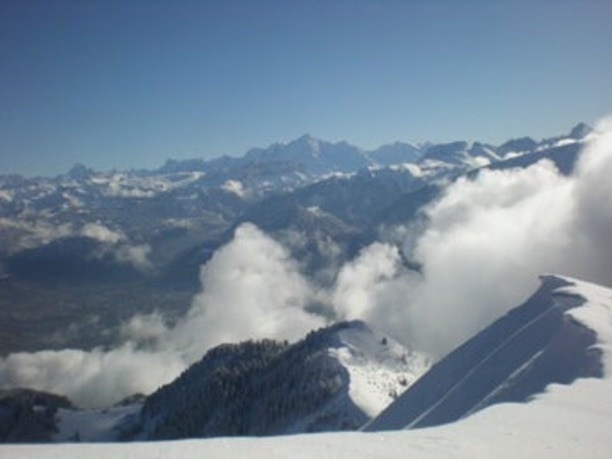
{"points": [[566, 421]]}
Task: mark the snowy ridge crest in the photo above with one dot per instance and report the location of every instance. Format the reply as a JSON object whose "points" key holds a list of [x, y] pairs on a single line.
{"points": [[533, 346]]}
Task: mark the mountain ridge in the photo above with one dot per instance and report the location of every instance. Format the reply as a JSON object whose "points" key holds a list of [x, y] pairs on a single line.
{"points": [[269, 388], [536, 344]]}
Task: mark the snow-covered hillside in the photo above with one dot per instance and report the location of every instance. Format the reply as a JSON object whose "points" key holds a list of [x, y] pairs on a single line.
{"points": [[565, 421], [336, 378], [536, 344]]}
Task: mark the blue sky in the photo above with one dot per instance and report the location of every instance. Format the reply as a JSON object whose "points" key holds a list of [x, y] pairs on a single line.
{"points": [[130, 83]]}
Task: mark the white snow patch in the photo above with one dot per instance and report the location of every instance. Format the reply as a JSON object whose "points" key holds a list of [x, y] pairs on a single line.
{"points": [[128, 186], [379, 368], [479, 161], [135, 255], [563, 142], [72, 201], [514, 154], [315, 210], [337, 175], [411, 168], [234, 186], [101, 233], [33, 232], [6, 195]]}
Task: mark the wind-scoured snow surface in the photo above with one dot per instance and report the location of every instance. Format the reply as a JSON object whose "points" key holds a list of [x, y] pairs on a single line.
{"points": [[566, 421]]}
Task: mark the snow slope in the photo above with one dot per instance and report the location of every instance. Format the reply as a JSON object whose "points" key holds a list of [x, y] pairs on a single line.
{"points": [[513, 359], [565, 421], [377, 372]]}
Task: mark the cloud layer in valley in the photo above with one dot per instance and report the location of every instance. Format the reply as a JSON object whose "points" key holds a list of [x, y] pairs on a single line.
{"points": [[483, 245], [251, 289], [488, 239]]}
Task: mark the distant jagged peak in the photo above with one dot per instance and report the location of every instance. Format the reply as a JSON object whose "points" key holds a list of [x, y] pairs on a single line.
{"points": [[457, 145], [518, 145], [453, 152], [307, 139], [580, 131], [316, 147], [305, 144], [396, 153], [80, 172]]}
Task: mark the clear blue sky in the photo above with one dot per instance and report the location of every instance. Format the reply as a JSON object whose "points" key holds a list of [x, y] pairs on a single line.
{"points": [[131, 83]]}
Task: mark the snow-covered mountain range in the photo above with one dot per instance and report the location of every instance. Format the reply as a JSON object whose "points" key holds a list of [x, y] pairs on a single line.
{"points": [[151, 281], [197, 195], [139, 230]]}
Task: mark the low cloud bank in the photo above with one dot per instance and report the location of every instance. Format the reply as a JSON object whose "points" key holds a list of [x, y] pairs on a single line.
{"points": [[251, 289], [488, 239], [91, 379], [481, 249]]}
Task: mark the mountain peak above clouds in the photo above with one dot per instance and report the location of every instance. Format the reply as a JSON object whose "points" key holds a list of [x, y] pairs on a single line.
{"points": [[518, 145], [396, 153], [310, 155], [284, 166], [580, 131], [459, 154]]}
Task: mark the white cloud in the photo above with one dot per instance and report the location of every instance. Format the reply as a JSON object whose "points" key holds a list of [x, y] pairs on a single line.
{"points": [[32, 232], [117, 244], [486, 242], [234, 186], [488, 239], [135, 255], [94, 378], [592, 229], [360, 282], [251, 288], [482, 247], [145, 328], [101, 233], [6, 195]]}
